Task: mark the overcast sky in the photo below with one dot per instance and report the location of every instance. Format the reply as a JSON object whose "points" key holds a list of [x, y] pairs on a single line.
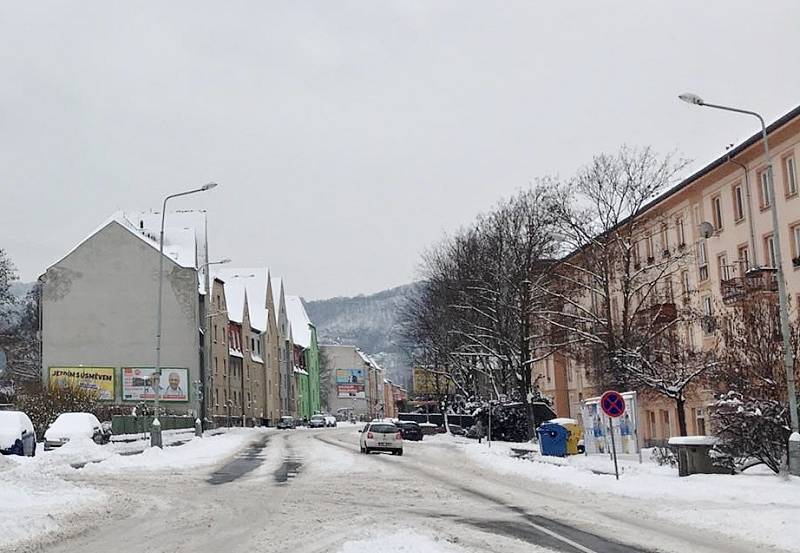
{"points": [[348, 136]]}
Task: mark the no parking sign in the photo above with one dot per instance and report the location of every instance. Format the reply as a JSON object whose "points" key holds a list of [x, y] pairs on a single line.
{"points": [[612, 403]]}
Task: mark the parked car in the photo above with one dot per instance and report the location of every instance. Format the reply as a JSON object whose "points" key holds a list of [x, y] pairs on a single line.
{"points": [[17, 436], [457, 430], [286, 423], [330, 420], [410, 430], [317, 421], [428, 428], [381, 436], [69, 426]]}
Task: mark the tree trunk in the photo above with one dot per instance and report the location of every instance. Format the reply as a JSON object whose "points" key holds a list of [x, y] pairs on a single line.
{"points": [[680, 404]]}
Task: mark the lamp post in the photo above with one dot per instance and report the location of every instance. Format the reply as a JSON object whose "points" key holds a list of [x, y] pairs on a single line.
{"points": [[155, 430], [206, 369], [788, 354]]}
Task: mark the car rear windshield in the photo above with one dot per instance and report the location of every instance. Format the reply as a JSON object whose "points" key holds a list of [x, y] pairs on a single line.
{"points": [[409, 424], [383, 428]]}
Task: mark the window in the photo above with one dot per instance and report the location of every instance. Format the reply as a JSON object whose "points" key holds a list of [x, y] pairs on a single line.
{"points": [[716, 212], [790, 175], [689, 336], [665, 421], [766, 197], [702, 261], [650, 256], [685, 283], [636, 256], [681, 232], [252, 344], [215, 333], [796, 245], [664, 240], [700, 419], [744, 258], [769, 251], [738, 203], [216, 364], [724, 270], [224, 366], [708, 316], [651, 417], [669, 294]]}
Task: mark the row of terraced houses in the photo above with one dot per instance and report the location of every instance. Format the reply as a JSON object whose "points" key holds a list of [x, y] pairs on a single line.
{"points": [[736, 260], [237, 348]]}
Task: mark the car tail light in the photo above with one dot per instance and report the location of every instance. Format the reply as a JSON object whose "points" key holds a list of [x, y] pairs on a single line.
{"points": [[398, 436], [369, 435]]}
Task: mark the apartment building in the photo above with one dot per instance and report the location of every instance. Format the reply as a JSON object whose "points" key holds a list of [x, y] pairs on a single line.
{"points": [[735, 261], [99, 304], [355, 383]]}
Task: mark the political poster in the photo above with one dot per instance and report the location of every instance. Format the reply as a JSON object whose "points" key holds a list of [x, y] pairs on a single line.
{"points": [[140, 384], [99, 380], [351, 383], [596, 436]]}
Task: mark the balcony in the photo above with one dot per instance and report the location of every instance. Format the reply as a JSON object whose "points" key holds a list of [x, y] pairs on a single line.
{"points": [[761, 280], [661, 310]]}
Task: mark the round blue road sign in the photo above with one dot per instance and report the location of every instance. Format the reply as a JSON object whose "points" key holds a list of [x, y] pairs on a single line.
{"points": [[612, 404]]}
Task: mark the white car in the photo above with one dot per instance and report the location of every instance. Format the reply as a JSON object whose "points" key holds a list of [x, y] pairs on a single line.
{"points": [[381, 436], [70, 426], [330, 420], [17, 436]]}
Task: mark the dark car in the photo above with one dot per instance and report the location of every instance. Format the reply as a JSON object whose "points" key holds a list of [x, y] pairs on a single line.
{"points": [[317, 421], [286, 423], [17, 436], [410, 430], [457, 430]]}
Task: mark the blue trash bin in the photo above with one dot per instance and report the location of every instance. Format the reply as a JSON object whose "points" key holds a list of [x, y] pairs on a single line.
{"points": [[553, 440]]}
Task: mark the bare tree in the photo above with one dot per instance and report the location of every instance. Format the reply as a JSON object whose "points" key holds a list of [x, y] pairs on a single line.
{"points": [[613, 291], [472, 319]]}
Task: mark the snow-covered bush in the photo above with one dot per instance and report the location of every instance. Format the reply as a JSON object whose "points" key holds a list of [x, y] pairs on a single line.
{"points": [[43, 404], [509, 421], [751, 431], [664, 456]]}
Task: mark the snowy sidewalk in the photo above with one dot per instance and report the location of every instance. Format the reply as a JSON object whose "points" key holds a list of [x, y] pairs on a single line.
{"points": [[37, 491], [756, 505]]}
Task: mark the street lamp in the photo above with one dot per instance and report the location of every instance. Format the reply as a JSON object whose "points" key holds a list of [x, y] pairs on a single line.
{"points": [[155, 430], [788, 354]]}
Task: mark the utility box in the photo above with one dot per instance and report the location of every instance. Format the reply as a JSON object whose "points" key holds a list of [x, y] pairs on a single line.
{"points": [[693, 454], [553, 440]]}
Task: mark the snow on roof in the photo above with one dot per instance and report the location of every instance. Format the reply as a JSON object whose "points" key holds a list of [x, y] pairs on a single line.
{"points": [[277, 290], [245, 282], [181, 234], [299, 321], [298, 370], [562, 421], [693, 440], [368, 360]]}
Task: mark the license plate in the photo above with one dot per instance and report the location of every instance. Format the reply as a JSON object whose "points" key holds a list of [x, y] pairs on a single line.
{"points": [[384, 444]]}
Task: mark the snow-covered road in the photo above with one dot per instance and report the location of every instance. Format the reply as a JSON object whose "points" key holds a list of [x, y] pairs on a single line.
{"points": [[311, 491]]}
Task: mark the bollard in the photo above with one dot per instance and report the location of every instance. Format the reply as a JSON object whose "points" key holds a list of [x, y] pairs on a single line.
{"points": [[198, 428]]}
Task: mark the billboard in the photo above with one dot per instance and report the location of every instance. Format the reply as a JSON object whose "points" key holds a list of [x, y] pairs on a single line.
{"points": [[138, 384], [596, 426], [97, 379], [351, 383]]}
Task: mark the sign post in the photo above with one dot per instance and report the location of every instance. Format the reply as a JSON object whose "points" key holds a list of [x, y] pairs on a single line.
{"points": [[613, 404]]}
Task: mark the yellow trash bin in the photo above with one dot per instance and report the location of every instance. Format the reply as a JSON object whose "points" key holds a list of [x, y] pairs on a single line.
{"points": [[575, 433]]}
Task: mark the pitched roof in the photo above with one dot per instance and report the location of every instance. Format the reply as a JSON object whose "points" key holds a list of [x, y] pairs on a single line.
{"points": [[180, 240], [245, 282], [299, 321]]}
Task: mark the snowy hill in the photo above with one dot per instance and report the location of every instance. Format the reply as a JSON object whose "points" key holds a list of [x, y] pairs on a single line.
{"points": [[370, 322]]}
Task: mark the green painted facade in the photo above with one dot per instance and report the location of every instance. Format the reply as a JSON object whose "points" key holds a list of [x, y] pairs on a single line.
{"points": [[312, 366]]}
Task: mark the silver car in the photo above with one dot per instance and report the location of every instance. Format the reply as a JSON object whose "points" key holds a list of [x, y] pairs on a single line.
{"points": [[381, 436]]}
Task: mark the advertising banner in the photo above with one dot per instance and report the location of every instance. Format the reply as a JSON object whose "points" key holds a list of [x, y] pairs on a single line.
{"points": [[350, 382], [596, 426], [95, 379], [138, 384]]}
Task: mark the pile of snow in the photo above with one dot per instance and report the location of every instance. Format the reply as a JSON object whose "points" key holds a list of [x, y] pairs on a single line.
{"points": [[755, 505], [198, 452], [34, 493]]}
